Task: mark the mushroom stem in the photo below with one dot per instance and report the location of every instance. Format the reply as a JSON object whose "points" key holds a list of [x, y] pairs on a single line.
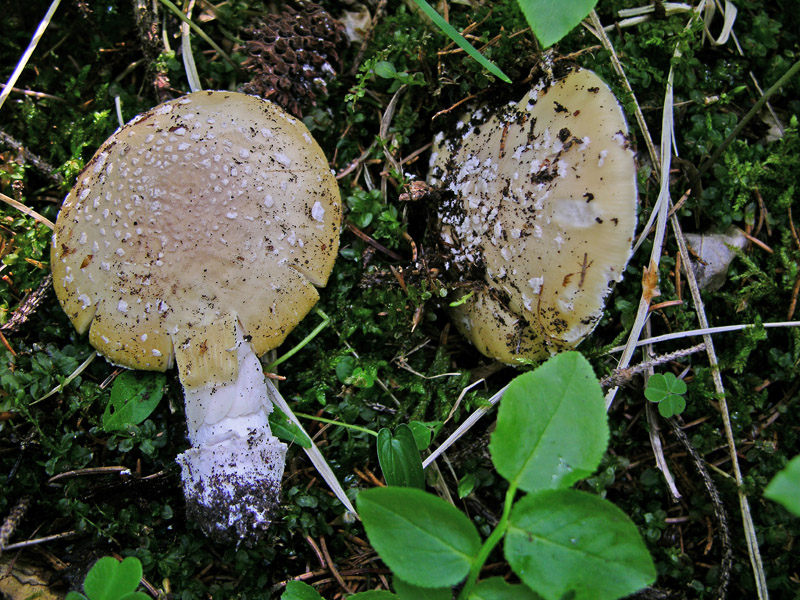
{"points": [[232, 473]]}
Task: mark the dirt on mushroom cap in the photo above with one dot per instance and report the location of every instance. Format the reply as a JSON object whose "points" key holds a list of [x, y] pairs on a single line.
{"points": [[543, 199], [210, 208]]}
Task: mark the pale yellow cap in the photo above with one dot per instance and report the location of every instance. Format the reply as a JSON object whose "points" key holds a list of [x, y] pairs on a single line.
{"points": [[205, 210], [542, 207]]}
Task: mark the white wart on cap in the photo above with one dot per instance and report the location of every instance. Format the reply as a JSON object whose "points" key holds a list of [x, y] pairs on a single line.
{"points": [[209, 209], [543, 208]]}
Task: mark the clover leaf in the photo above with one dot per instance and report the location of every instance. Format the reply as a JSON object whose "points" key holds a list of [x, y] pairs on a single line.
{"points": [[666, 390]]}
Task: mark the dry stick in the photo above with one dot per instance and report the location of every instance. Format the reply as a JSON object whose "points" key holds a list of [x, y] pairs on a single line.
{"points": [[39, 163], [744, 504], [622, 376], [27, 306], [679, 335], [12, 521], [41, 540]]}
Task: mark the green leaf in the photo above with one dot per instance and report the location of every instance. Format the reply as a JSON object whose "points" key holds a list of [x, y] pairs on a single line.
{"points": [[451, 32], [466, 485], [297, 590], [134, 396], [75, 596], [373, 595], [551, 20], [552, 428], [667, 390], [285, 430], [661, 386], [565, 543], [422, 433], [110, 579], [406, 591], [785, 487], [671, 405], [399, 457], [423, 539], [496, 588], [385, 69]]}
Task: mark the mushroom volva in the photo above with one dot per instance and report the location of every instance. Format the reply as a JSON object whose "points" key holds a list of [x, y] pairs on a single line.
{"points": [[196, 236], [539, 202]]}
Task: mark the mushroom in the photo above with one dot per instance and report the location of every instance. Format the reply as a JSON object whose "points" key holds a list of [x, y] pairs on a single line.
{"points": [[196, 235], [540, 205]]}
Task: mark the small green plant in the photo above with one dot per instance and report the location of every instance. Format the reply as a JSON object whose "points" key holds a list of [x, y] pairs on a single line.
{"points": [[551, 432], [667, 391], [110, 579]]}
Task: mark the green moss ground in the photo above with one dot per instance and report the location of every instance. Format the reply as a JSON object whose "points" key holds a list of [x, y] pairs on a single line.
{"points": [[372, 367]]}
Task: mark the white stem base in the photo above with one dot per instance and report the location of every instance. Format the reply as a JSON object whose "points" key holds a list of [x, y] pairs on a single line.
{"points": [[232, 488], [232, 473]]}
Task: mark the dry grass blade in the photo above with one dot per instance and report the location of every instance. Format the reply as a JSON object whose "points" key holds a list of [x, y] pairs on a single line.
{"points": [[744, 504], [313, 452], [678, 335], [28, 211], [464, 427], [23, 61]]}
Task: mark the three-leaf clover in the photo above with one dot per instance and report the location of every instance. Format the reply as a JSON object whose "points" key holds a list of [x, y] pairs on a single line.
{"points": [[667, 390]]}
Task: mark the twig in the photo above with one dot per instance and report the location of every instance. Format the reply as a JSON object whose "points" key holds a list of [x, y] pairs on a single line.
{"points": [[464, 427], [41, 540], [27, 306], [658, 449], [121, 470], [332, 566], [33, 94], [623, 376], [377, 245], [12, 521], [599, 32], [39, 163], [719, 509]]}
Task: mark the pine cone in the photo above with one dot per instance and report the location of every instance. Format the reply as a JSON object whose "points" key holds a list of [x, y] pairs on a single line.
{"points": [[291, 55]]}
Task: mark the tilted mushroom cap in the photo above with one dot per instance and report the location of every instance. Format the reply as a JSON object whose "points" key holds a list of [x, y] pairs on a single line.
{"points": [[210, 208], [543, 206]]}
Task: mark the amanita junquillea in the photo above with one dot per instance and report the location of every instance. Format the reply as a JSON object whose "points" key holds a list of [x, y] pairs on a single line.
{"points": [[196, 235], [540, 205]]}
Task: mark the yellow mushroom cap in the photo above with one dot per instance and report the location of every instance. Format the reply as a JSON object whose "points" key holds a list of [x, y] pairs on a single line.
{"points": [[543, 206], [205, 210]]}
